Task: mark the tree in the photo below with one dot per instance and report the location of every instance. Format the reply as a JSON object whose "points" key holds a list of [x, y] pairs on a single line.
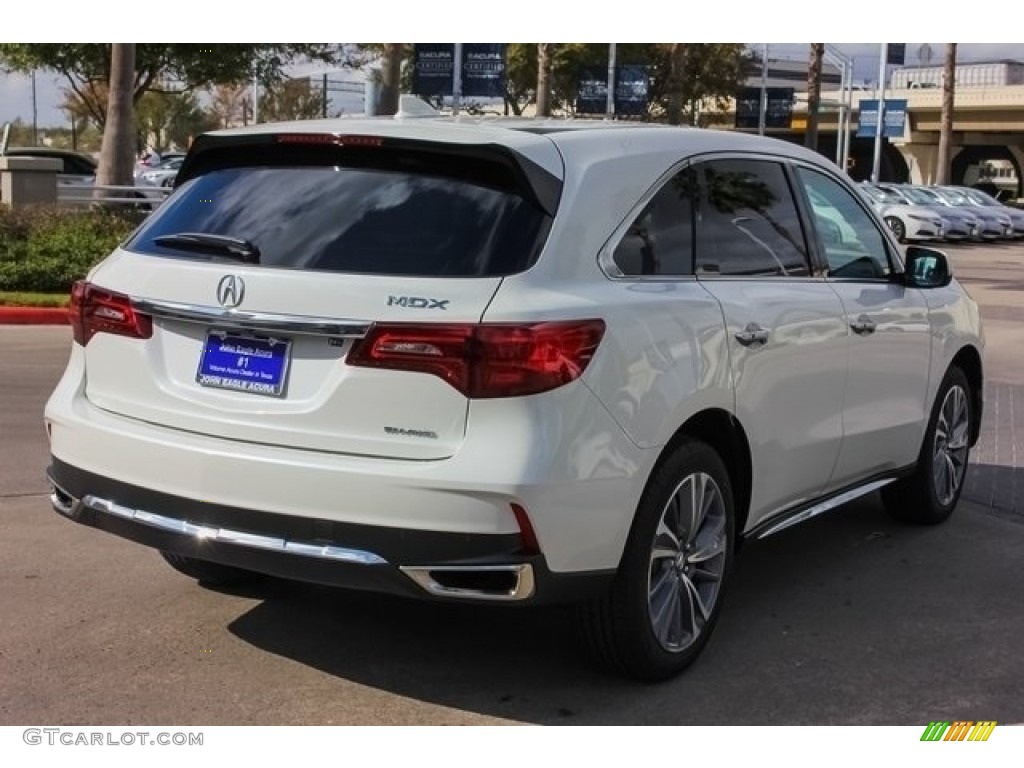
{"points": [[690, 78], [291, 100], [230, 105], [946, 125], [118, 153], [543, 79], [188, 66], [171, 119], [814, 94], [392, 57]]}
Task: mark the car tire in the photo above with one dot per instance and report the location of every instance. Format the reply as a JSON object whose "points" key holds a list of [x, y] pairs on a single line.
{"points": [[931, 493], [898, 228], [206, 572], [667, 594]]}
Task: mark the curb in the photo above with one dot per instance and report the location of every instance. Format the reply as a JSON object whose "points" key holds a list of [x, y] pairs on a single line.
{"points": [[33, 316]]}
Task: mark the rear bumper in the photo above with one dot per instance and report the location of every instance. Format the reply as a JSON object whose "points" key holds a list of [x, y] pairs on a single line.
{"points": [[420, 564]]}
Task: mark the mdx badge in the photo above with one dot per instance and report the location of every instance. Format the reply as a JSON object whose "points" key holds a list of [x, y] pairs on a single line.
{"points": [[417, 302], [230, 291]]}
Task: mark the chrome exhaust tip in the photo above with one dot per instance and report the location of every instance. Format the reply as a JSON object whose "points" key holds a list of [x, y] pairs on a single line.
{"points": [[496, 583], [63, 503]]}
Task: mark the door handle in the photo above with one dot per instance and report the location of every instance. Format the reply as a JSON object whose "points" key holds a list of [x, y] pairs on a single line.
{"points": [[752, 334], [863, 325]]}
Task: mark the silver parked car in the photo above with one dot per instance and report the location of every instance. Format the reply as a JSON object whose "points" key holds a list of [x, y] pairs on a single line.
{"points": [[991, 224], [986, 201]]}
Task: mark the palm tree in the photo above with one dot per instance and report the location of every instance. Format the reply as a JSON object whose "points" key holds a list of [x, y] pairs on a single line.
{"points": [[814, 94], [543, 79], [391, 78], [946, 125], [117, 154]]}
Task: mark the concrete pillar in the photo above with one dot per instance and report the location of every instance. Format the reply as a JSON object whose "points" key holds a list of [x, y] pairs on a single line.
{"points": [[29, 180], [923, 161], [1018, 155]]}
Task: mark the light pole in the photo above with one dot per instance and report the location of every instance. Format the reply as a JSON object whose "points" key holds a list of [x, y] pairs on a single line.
{"points": [[835, 56], [762, 118], [879, 129], [610, 103], [35, 114]]}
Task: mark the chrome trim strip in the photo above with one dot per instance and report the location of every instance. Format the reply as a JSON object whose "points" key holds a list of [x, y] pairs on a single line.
{"points": [[227, 536], [825, 506], [262, 321], [524, 586]]}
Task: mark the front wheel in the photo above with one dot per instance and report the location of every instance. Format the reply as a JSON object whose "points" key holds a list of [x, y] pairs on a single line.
{"points": [[898, 228], [667, 595], [931, 493]]}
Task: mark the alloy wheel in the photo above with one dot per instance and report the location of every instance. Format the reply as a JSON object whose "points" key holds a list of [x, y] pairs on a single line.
{"points": [[949, 454], [687, 563]]}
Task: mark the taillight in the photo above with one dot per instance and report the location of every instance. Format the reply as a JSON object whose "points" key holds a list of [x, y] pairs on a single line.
{"points": [[96, 310], [487, 360]]}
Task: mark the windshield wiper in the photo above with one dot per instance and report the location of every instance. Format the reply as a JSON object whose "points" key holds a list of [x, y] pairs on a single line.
{"points": [[232, 247]]}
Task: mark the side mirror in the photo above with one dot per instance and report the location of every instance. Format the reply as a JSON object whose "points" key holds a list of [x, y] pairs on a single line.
{"points": [[927, 268]]}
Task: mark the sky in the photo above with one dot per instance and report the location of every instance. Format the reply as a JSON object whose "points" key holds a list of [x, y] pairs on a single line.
{"points": [[471, 20]]}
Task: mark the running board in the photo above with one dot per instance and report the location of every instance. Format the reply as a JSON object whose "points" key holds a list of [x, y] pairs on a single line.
{"points": [[801, 515]]}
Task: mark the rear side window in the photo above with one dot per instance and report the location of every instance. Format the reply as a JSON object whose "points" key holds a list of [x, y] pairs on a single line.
{"points": [[660, 239], [748, 222], [353, 219]]}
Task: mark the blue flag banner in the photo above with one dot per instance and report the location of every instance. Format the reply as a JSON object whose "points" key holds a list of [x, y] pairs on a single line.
{"points": [[483, 70], [895, 118], [433, 65], [631, 84], [592, 93], [779, 113], [631, 91]]}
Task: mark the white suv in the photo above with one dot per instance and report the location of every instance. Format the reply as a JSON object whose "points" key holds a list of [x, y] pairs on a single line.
{"points": [[510, 362]]}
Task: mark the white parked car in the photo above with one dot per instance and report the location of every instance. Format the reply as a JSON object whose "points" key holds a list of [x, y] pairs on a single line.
{"points": [[907, 222], [510, 362]]}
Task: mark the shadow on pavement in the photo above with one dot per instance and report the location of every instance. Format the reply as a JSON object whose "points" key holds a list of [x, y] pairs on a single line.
{"points": [[881, 622], [998, 487]]}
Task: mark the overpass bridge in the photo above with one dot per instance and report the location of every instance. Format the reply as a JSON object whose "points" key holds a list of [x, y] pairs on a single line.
{"points": [[988, 125]]}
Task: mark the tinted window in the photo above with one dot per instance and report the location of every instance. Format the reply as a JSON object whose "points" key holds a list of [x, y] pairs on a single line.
{"points": [[366, 220], [660, 239], [747, 222], [848, 237], [78, 165]]}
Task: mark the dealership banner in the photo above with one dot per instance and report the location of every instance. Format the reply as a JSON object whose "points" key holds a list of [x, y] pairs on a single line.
{"points": [[631, 91], [778, 114], [433, 64], [895, 118], [631, 85], [483, 69]]}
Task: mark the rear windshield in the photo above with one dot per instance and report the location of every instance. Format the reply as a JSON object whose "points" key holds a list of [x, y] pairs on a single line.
{"points": [[353, 219]]}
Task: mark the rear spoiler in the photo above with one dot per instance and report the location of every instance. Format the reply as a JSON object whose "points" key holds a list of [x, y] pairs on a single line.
{"points": [[489, 164]]}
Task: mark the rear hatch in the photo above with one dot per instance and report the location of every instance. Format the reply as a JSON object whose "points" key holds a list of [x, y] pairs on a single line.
{"points": [[236, 309]]}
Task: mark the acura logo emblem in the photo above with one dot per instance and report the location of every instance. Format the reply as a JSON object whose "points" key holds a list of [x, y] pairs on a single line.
{"points": [[230, 291]]}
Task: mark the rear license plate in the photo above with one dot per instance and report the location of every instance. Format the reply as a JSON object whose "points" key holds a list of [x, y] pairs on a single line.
{"points": [[244, 363]]}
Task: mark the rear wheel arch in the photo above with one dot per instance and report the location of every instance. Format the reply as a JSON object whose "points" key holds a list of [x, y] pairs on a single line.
{"points": [[968, 360], [720, 430]]}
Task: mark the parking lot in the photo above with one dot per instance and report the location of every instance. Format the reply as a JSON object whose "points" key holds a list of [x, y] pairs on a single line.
{"points": [[848, 619]]}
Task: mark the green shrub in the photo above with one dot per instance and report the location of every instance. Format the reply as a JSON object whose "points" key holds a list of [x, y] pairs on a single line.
{"points": [[46, 249]]}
